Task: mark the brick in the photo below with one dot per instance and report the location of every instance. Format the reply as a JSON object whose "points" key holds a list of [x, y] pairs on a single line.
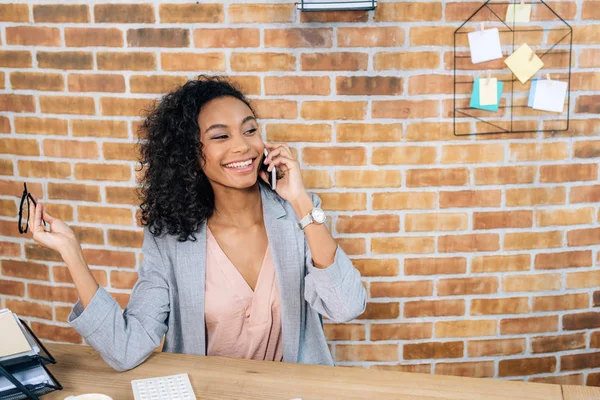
{"points": [[504, 175], [63, 212], [404, 200], [12, 288], [469, 243], [298, 133], [124, 13], [65, 60], [15, 58], [586, 149], [4, 125], [352, 132], [191, 13], [416, 351], [297, 85], [585, 194], [132, 61], [257, 13], [123, 280], [122, 195], [193, 62], [158, 37], [526, 366], [568, 173], [25, 269], [17, 103], [401, 331], [386, 61], [376, 266], [575, 379], [593, 379], [368, 223], [589, 11], [477, 153], [532, 240], [155, 83], [344, 331], [333, 110], [403, 245], [362, 179], [437, 177], [503, 219], [562, 302], [587, 104], [88, 235], [579, 361], [14, 12], [577, 280], [56, 333], [35, 125], [124, 238], [538, 151], [466, 286], [67, 105], [352, 246], [275, 109], [366, 352], [401, 289], [381, 311], [535, 196], [531, 283], [404, 155], [583, 237], [8, 208], [105, 215], [337, 61], [62, 275], [119, 151], [566, 10], [433, 308], [114, 106], [35, 252], [52, 293], [416, 368], [316, 179], [496, 347], [401, 109], [589, 58], [436, 222], [333, 16], [334, 156], [29, 309], [61, 13], [470, 198], [477, 369], [260, 62], [572, 216], [96, 83], [99, 128], [22, 147], [582, 34], [102, 172], [343, 201], [387, 36], [36, 81], [93, 37], [6, 167], [32, 36], [513, 305], [70, 149], [516, 326], [433, 84], [431, 35], [298, 38], [44, 169], [566, 259], [435, 266], [584, 320]]}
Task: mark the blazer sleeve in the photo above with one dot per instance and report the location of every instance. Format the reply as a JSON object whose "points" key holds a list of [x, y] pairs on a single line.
{"points": [[125, 339], [337, 291]]}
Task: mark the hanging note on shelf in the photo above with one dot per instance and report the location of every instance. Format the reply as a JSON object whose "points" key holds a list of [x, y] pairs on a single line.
{"points": [[484, 45], [518, 12], [476, 94], [550, 95], [532, 93], [524, 63], [488, 91]]}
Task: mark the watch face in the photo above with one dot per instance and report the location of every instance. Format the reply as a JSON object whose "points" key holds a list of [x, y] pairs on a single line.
{"points": [[318, 215]]}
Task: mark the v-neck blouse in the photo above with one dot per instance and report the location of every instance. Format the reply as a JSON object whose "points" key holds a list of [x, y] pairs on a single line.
{"points": [[241, 323]]}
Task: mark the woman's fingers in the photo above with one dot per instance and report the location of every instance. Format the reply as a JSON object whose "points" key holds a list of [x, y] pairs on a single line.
{"points": [[38, 216], [281, 160]]}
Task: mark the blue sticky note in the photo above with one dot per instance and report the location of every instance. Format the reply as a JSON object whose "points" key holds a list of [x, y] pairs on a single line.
{"points": [[475, 97], [532, 92]]}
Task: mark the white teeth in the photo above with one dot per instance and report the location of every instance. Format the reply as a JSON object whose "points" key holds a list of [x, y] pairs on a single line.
{"points": [[239, 164]]}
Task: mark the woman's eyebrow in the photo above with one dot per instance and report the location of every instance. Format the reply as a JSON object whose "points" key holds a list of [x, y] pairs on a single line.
{"points": [[248, 118]]}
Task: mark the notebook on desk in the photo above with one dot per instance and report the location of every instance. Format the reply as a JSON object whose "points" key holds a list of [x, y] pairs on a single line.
{"points": [[23, 374]]}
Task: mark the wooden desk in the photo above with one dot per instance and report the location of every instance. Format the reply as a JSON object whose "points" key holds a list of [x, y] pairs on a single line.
{"points": [[81, 370]]}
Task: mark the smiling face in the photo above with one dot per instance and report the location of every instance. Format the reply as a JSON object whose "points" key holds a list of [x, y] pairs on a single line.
{"points": [[232, 145]]}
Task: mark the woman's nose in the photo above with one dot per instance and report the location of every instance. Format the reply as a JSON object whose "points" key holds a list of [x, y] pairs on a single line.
{"points": [[240, 144]]}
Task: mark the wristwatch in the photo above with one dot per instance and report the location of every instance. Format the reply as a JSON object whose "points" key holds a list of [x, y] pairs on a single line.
{"points": [[315, 215]]}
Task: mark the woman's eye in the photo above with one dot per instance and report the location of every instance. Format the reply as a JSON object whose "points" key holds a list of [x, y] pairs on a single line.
{"points": [[252, 130], [220, 137]]}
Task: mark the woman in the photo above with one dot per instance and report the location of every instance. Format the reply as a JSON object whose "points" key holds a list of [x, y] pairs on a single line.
{"points": [[227, 270]]}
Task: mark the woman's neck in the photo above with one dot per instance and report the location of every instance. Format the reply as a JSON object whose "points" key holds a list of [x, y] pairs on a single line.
{"points": [[237, 208]]}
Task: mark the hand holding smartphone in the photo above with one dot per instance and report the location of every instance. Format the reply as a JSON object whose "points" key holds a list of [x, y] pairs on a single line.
{"points": [[273, 174]]}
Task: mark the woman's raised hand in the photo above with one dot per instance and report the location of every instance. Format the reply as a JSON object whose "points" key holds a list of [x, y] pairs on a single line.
{"points": [[59, 238]]}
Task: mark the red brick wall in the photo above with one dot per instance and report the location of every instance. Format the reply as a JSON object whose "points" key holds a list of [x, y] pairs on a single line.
{"points": [[479, 253]]}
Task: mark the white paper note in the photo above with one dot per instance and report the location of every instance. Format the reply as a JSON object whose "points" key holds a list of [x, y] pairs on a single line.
{"points": [[488, 92], [485, 45], [550, 95]]}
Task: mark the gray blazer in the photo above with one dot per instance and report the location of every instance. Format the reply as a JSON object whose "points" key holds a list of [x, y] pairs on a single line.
{"points": [[168, 297]]}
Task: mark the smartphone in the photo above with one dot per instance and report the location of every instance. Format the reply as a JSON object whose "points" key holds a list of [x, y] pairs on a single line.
{"points": [[272, 176]]}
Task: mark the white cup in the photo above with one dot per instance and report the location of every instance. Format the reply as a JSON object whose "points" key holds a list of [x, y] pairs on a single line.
{"points": [[90, 396]]}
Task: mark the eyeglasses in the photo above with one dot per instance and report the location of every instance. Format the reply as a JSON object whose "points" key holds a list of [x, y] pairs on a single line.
{"points": [[24, 210]]}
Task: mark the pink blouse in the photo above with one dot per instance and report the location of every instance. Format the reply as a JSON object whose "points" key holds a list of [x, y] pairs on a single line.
{"points": [[241, 323]]}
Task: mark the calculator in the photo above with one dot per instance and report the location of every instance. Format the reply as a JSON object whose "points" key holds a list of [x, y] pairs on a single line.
{"points": [[172, 387]]}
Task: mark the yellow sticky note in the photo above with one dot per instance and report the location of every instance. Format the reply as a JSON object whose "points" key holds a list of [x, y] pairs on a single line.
{"points": [[522, 64], [488, 92], [518, 13]]}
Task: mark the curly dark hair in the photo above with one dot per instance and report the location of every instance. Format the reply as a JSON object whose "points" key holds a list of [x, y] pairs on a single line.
{"points": [[175, 193]]}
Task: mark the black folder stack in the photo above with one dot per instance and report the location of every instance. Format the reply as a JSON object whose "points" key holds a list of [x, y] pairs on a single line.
{"points": [[23, 360]]}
